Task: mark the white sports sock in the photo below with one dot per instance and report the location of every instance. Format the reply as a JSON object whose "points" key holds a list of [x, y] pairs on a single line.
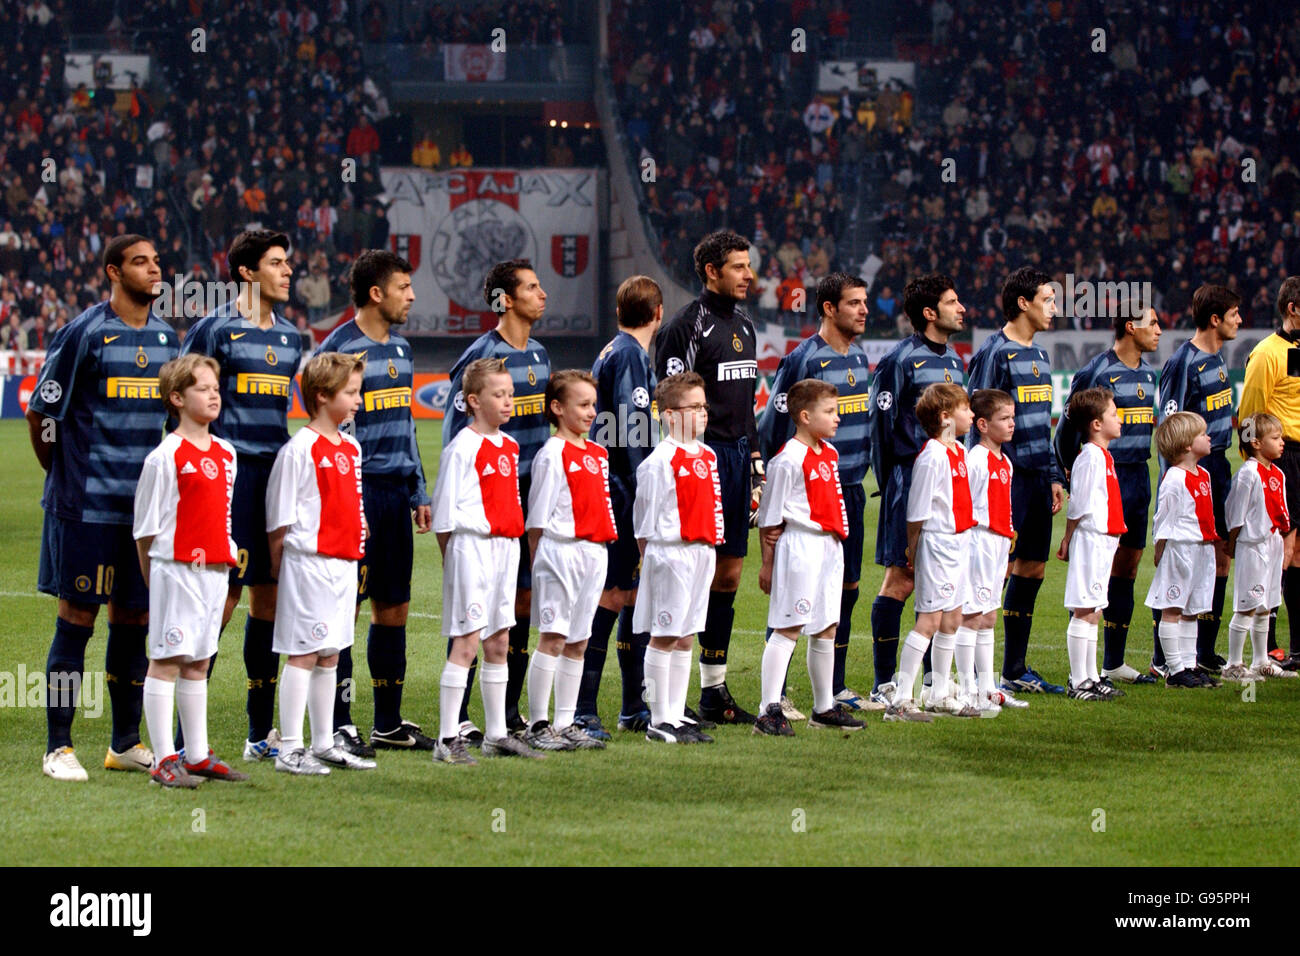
{"points": [[294, 687], [320, 707], [1187, 638], [192, 708], [679, 678], [1259, 640], [541, 675], [568, 679], [451, 691], [492, 681], [776, 661], [1076, 645], [909, 663], [711, 675], [657, 685], [1091, 659], [821, 671], [1171, 643], [1237, 629], [159, 697], [941, 652], [984, 660], [965, 655]]}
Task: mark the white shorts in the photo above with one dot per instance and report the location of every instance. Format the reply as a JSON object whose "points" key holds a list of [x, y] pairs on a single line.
{"points": [[185, 608], [1257, 574], [1184, 578], [1087, 578], [315, 604], [478, 585], [807, 581], [673, 599], [988, 570], [942, 571], [568, 578]]}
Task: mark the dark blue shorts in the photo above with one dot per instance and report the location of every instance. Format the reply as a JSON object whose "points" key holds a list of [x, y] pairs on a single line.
{"points": [[1135, 493], [385, 572], [91, 564], [1031, 514], [248, 523], [1216, 463], [624, 570], [524, 579], [855, 504], [891, 528], [733, 475]]}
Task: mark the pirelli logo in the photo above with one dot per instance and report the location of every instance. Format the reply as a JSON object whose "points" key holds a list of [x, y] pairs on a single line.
{"points": [[1034, 393], [529, 404], [133, 388], [737, 371], [1136, 416], [849, 404], [1219, 400], [256, 383], [384, 398]]}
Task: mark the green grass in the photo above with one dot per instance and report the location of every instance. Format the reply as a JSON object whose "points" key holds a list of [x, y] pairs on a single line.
{"points": [[1171, 770]]}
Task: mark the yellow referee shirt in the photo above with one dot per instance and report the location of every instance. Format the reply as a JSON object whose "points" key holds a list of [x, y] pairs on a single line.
{"points": [[1268, 387]]}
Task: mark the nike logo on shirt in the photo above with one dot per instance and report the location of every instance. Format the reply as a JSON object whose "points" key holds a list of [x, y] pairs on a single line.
{"points": [[705, 333], [237, 335], [111, 338]]}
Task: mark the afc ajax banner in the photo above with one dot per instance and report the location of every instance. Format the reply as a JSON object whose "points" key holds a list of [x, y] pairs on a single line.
{"points": [[453, 226]]}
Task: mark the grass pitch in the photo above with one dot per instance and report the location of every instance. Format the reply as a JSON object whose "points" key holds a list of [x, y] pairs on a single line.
{"points": [[1160, 777]]}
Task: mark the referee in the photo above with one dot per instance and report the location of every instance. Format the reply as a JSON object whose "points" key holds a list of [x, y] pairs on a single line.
{"points": [[1273, 385]]}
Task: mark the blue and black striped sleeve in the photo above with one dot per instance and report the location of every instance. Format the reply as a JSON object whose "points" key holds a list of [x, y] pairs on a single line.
{"points": [[456, 416], [199, 337], [630, 372], [1174, 382], [880, 421], [774, 427], [1066, 442]]}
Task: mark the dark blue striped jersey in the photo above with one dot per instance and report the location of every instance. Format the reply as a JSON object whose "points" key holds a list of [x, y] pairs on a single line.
{"points": [[383, 424], [1024, 373], [896, 437], [1135, 400], [257, 370], [100, 382], [627, 417], [1196, 381], [851, 375], [530, 370]]}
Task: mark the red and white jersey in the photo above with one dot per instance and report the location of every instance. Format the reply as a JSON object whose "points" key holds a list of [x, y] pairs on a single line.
{"points": [[678, 495], [183, 501], [569, 495], [1184, 508], [803, 489], [940, 493], [990, 489], [315, 491], [477, 491], [1257, 502], [1094, 492]]}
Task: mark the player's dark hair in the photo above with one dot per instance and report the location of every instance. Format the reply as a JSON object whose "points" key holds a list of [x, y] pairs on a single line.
{"points": [[1256, 426], [986, 402], [249, 246], [1174, 436], [1123, 318], [924, 292], [476, 376], [1288, 294], [1026, 282], [1211, 300], [805, 394], [558, 386], [636, 302], [179, 374], [374, 267], [669, 392], [1087, 407], [325, 375], [503, 278], [115, 250], [939, 399], [714, 249], [832, 288]]}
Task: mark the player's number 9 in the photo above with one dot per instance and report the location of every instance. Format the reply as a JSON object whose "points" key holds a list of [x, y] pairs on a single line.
{"points": [[241, 560]]}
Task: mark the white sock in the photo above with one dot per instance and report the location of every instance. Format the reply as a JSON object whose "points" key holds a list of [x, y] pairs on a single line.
{"points": [[679, 678], [568, 679], [294, 687], [821, 671], [1171, 643], [192, 708], [909, 663], [776, 661], [1076, 645], [657, 686], [451, 691], [492, 682], [159, 698], [320, 707], [1187, 637], [941, 653], [965, 656], [711, 675], [541, 675], [984, 660], [1237, 629], [1259, 640]]}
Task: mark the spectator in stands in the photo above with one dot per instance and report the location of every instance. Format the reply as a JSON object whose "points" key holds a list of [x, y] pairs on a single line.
{"points": [[425, 153], [461, 157]]}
